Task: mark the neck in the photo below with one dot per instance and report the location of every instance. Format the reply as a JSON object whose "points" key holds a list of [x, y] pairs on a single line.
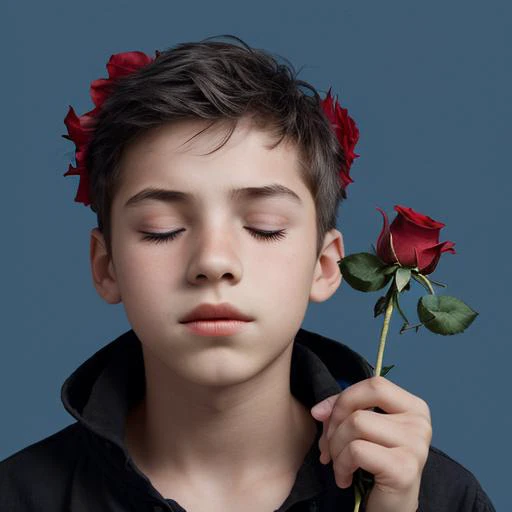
{"points": [[232, 434]]}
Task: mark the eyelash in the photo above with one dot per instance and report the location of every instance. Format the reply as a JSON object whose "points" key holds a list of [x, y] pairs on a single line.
{"points": [[256, 233]]}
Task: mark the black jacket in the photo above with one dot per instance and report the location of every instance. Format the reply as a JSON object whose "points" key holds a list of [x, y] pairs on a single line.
{"points": [[85, 466]]}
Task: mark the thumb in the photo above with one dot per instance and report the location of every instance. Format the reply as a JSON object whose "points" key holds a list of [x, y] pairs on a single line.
{"points": [[322, 410]]}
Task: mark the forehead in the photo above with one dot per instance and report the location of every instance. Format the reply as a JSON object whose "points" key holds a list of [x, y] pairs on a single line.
{"points": [[201, 139], [185, 155]]}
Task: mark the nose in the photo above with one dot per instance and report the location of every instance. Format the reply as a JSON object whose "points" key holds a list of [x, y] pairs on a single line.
{"points": [[215, 256]]}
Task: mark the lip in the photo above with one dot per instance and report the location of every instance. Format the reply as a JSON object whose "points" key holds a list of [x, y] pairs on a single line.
{"points": [[215, 327], [223, 311]]}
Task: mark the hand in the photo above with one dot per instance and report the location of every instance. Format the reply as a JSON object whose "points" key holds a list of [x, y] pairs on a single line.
{"points": [[393, 447]]}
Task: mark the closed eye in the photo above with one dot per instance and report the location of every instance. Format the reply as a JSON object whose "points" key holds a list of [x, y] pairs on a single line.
{"points": [[256, 233], [161, 237], [267, 235]]}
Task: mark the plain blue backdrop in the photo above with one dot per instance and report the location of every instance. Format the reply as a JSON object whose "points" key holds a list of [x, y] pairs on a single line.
{"points": [[429, 85]]}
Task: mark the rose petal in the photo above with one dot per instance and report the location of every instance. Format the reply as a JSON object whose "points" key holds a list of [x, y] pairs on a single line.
{"points": [[76, 133], [100, 90], [125, 63], [346, 132], [429, 258], [384, 247], [418, 218]]}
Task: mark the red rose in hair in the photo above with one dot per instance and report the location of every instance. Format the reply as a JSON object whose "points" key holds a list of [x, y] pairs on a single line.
{"points": [[346, 132], [412, 240], [119, 65], [81, 128]]}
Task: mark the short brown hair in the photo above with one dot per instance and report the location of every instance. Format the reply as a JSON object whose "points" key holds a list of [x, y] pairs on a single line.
{"points": [[217, 81]]}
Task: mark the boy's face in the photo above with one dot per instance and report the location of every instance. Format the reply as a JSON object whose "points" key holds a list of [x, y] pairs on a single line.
{"points": [[215, 257]]}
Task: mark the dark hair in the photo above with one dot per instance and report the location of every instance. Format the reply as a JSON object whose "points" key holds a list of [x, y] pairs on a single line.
{"points": [[221, 82]]}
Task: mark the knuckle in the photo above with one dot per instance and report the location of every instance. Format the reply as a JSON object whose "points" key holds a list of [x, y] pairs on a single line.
{"points": [[428, 431], [424, 428], [356, 448], [357, 420], [403, 480], [424, 407], [376, 382]]}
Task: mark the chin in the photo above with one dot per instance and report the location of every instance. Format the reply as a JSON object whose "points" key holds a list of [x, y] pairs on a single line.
{"points": [[219, 366]]}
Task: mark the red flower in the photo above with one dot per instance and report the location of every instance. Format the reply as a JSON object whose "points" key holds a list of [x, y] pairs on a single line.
{"points": [[346, 132], [81, 128], [412, 240]]}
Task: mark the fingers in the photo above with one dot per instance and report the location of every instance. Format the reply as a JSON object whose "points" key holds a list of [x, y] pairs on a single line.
{"points": [[394, 468], [392, 444], [410, 431], [322, 410], [407, 419], [375, 392]]}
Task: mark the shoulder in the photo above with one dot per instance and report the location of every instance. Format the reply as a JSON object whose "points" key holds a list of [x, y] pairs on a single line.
{"points": [[39, 470], [447, 485]]}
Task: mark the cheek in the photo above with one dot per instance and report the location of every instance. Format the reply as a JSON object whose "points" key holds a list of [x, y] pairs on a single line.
{"points": [[287, 276], [141, 276]]}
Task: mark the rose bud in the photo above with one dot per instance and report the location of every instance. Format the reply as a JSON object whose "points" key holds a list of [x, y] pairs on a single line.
{"points": [[412, 240]]}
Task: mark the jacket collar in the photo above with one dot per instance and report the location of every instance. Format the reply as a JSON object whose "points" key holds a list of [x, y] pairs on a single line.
{"points": [[100, 392]]}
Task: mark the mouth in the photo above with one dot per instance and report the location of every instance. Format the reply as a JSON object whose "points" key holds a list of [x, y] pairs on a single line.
{"points": [[224, 312]]}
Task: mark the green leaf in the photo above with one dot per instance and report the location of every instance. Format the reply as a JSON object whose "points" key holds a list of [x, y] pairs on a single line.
{"points": [[364, 272], [402, 277], [443, 314], [386, 369]]}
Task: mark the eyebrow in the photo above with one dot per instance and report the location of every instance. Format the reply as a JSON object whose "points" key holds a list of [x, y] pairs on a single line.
{"points": [[235, 194]]}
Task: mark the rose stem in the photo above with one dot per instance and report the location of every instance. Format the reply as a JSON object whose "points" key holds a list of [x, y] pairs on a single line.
{"points": [[357, 499], [378, 369], [383, 334]]}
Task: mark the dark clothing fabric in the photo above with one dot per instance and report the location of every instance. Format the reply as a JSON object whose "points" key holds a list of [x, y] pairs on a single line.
{"points": [[85, 467]]}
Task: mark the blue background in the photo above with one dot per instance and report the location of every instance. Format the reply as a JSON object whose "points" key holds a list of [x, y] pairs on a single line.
{"points": [[429, 85]]}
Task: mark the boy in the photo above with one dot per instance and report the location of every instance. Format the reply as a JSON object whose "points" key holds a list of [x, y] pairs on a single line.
{"points": [[215, 181]]}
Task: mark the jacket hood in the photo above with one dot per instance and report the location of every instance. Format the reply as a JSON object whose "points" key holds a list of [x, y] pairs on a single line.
{"points": [[100, 392]]}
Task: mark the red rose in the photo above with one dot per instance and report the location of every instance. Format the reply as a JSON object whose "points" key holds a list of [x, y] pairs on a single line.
{"points": [[81, 128], [119, 65], [412, 240], [346, 132]]}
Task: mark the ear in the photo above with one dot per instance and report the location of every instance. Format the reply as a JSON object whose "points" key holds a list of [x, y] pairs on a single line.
{"points": [[102, 268], [327, 276]]}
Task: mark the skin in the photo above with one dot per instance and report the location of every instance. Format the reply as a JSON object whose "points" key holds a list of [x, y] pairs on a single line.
{"points": [[218, 420], [393, 447]]}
